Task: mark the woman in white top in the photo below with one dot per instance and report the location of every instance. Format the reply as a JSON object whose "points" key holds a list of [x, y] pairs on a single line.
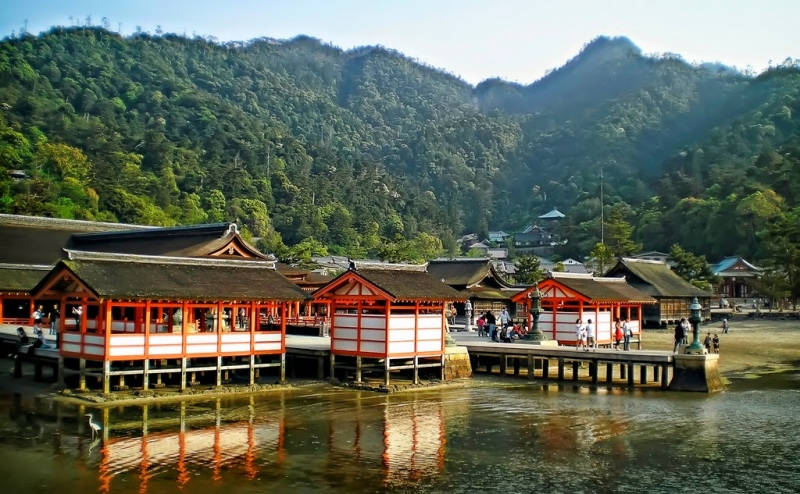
{"points": [[579, 334]]}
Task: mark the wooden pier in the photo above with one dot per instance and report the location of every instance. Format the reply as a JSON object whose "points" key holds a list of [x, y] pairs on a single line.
{"points": [[558, 363], [539, 361]]}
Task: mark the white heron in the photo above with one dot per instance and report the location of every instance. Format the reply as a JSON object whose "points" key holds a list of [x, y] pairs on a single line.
{"points": [[95, 427]]}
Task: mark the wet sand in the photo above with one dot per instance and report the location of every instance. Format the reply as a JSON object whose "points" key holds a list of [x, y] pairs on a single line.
{"points": [[751, 347]]}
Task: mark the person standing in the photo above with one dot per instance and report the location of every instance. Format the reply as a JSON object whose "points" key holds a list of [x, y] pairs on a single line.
{"points": [[715, 341], [626, 333], [680, 335], [504, 317], [725, 325], [686, 330], [54, 315], [480, 324], [707, 343], [490, 322], [38, 315], [590, 335], [578, 333], [77, 312], [617, 333]]}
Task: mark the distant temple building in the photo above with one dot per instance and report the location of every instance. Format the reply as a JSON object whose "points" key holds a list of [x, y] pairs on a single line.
{"points": [[673, 294], [478, 280], [553, 214], [737, 277]]}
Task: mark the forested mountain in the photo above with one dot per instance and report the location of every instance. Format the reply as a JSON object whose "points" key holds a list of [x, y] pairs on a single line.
{"points": [[367, 152]]}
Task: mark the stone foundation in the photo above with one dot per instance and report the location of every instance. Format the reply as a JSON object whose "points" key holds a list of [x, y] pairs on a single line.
{"points": [[698, 373], [456, 363]]}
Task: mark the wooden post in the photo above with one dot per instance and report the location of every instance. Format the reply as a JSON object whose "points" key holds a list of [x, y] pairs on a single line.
{"points": [[320, 368], [560, 369], [358, 368], [219, 368], [252, 368], [386, 366], [516, 366], [664, 376], [106, 377], [283, 365], [622, 369], [630, 374], [416, 369], [545, 368], [443, 368], [642, 374], [183, 368], [61, 377], [656, 370], [593, 370], [146, 374], [333, 366], [609, 372], [503, 365], [575, 368], [531, 366], [122, 386], [82, 374]]}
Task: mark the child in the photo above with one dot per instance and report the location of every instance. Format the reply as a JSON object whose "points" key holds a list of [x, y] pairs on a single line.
{"points": [[578, 333], [716, 343], [481, 322]]}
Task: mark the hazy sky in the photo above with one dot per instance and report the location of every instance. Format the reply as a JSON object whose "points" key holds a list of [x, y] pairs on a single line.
{"points": [[513, 39]]}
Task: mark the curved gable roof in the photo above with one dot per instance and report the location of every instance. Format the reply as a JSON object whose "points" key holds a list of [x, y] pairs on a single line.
{"points": [[656, 279]]}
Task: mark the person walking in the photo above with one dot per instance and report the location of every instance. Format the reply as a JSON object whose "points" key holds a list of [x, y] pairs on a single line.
{"points": [[725, 327], [686, 330], [504, 317], [680, 335], [590, 335], [481, 322], [707, 343], [626, 334], [617, 333]]}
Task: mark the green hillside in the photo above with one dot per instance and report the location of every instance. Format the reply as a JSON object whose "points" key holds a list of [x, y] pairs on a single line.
{"points": [[367, 152]]}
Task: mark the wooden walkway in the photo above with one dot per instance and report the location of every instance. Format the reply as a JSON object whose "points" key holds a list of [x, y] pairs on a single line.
{"points": [[538, 360]]}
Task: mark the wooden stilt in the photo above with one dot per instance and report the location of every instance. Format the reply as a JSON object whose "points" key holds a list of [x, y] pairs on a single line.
{"points": [[283, 367], [575, 368], [333, 366], [183, 373], [358, 369], [416, 370], [503, 365], [122, 386], [622, 369], [146, 375], [656, 370], [442, 360], [106, 376], [531, 367], [642, 374], [609, 373], [252, 370], [60, 378], [593, 371], [82, 375], [664, 376], [219, 370], [560, 369], [516, 366], [630, 374], [386, 365], [545, 368]]}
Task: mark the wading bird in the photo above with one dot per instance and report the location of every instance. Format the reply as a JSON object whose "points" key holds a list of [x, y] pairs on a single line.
{"points": [[95, 428]]}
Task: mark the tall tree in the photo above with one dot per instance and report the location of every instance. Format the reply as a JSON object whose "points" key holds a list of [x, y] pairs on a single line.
{"points": [[618, 233], [528, 270]]}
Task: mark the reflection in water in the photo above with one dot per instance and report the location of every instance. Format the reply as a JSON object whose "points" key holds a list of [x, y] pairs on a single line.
{"points": [[516, 438]]}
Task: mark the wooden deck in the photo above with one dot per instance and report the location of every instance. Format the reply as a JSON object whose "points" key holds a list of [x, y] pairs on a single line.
{"points": [[538, 360]]}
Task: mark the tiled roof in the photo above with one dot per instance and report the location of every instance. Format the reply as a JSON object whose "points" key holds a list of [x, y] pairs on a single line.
{"points": [[136, 277], [655, 279], [730, 262], [21, 277], [463, 272], [409, 285], [604, 289]]}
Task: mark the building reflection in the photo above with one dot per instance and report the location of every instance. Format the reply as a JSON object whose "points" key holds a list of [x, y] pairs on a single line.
{"points": [[402, 440], [204, 443]]}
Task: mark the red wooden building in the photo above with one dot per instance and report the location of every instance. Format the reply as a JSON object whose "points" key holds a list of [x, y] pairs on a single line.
{"points": [[567, 297], [391, 316], [203, 315]]}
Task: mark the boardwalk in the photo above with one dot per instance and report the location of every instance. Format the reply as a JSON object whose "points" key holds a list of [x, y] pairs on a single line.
{"points": [[539, 359]]}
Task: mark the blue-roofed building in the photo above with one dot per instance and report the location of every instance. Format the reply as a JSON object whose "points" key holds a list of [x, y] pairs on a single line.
{"points": [[554, 214], [737, 277]]}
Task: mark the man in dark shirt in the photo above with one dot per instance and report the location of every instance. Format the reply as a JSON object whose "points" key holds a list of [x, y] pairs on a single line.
{"points": [[680, 334], [491, 322]]}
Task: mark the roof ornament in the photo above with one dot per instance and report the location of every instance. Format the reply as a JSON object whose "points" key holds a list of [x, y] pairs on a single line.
{"points": [[233, 229]]}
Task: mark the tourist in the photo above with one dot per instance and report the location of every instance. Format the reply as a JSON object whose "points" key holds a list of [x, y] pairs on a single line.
{"points": [[715, 341], [22, 340], [725, 327], [40, 342], [686, 330], [627, 332], [38, 315], [54, 315], [453, 314], [495, 333], [504, 336], [481, 322], [707, 343], [242, 318], [504, 317], [491, 322], [578, 333], [77, 312], [591, 336], [617, 333], [680, 335]]}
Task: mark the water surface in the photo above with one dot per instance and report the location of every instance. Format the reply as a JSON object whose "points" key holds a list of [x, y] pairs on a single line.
{"points": [[495, 435]]}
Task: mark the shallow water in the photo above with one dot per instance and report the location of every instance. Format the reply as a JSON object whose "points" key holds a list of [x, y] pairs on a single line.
{"points": [[496, 435]]}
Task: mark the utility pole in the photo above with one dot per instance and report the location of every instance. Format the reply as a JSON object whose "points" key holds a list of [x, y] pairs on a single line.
{"points": [[602, 210]]}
